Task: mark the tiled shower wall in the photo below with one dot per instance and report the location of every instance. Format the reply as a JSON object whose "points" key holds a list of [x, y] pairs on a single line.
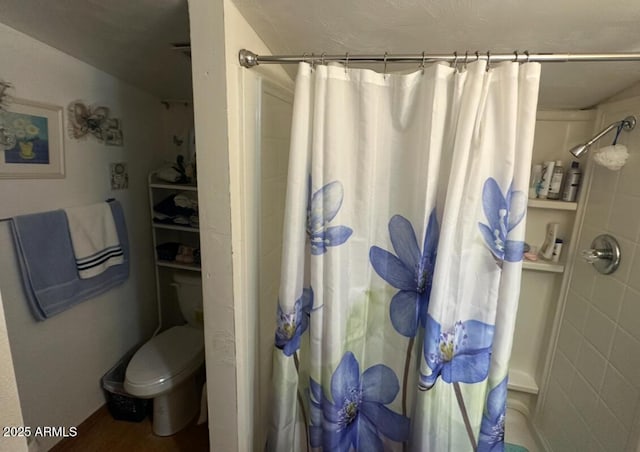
{"points": [[592, 399]]}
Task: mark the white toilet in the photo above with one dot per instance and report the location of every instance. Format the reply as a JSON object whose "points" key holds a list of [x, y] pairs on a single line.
{"points": [[165, 368]]}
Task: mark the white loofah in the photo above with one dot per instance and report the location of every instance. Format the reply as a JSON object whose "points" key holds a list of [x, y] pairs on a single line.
{"points": [[612, 157]]}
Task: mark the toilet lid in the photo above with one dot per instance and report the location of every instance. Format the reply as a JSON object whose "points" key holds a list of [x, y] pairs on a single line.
{"points": [[174, 351]]}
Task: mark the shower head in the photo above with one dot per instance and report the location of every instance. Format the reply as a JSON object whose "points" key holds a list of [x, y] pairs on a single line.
{"points": [[578, 150], [627, 124]]}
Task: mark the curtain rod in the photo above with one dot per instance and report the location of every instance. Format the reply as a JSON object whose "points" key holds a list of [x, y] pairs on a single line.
{"points": [[249, 59]]}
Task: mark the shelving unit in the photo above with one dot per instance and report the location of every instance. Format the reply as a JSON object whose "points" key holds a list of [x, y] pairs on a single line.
{"points": [[168, 312], [174, 227], [552, 204], [154, 182], [165, 232], [549, 205], [534, 205], [543, 266], [177, 265]]}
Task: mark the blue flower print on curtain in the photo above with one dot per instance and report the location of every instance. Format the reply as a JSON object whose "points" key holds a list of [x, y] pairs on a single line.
{"points": [[322, 207], [410, 271], [491, 437], [358, 417], [460, 355], [503, 213], [292, 325]]}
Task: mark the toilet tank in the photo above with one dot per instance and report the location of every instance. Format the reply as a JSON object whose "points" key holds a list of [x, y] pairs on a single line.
{"points": [[189, 289]]}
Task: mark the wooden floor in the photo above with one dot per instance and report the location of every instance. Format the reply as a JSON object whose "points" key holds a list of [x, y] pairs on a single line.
{"points": [[101, 433]]}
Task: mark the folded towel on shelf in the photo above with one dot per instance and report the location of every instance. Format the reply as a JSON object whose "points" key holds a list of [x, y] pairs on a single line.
{"points": [[168, 207], [94, 238], [180, 220], [187, 200], [48, 266], [169, 174]]}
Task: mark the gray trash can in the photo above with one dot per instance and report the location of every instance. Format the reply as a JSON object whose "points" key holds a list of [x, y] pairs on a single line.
{"points": [[122, 405]]}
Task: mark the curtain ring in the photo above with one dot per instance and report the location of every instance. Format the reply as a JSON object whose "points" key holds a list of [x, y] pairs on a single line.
{"points": [[477, 56], [488, 60], [526, 52], [313, 61], [515, 60], [466, 58], [346, 62], [423, 62], [385, 65], [304, 57], [322, 58], [455, 61]]}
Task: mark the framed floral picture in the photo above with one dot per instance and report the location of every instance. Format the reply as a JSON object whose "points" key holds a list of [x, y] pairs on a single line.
{"points": [[31, 141]]}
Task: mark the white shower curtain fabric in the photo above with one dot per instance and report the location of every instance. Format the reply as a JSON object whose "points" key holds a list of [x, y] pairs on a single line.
{"points": [[403, 239]]}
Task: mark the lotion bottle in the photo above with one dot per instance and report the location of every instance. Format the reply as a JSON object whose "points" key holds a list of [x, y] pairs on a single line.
{"points": [[550, 240]]}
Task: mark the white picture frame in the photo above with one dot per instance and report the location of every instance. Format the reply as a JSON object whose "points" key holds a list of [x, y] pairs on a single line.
{"points": [[34, 141]]}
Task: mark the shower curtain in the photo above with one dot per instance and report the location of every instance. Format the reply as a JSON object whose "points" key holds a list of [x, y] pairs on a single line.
{"points": [[403, 241]]}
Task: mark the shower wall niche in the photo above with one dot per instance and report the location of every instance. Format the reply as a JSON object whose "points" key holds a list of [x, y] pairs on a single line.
{"points": [[541, 287]]}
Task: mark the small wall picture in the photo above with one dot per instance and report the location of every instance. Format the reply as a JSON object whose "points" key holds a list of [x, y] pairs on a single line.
{"points": [[32, 140], [119, 176], [113, 137], [94, 121]]}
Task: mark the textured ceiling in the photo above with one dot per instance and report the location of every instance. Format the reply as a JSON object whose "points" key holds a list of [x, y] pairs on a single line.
{"points": [[131, 38], [439, 26]]}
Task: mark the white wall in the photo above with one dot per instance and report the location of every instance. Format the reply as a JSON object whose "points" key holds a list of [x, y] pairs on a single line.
{"points": [[627, 93], [11, 414], [177, 121], [59, 362], [592, 399], [228, 216], [210, 115]]}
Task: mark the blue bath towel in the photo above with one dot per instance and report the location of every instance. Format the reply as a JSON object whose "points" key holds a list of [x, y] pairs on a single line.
{"points": [[47, 263]]}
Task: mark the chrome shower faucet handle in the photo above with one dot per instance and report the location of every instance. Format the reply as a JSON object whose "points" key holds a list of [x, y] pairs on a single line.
{"points": [[604, 254]]}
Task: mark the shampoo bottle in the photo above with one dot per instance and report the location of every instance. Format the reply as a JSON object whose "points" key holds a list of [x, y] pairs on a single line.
{"points": [[536, 180], [547, 172], [572, 182], [556, 181], [557, 248]]}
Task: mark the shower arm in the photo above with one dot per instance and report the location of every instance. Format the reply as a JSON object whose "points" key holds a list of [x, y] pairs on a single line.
{"points": [[627, 123]]}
